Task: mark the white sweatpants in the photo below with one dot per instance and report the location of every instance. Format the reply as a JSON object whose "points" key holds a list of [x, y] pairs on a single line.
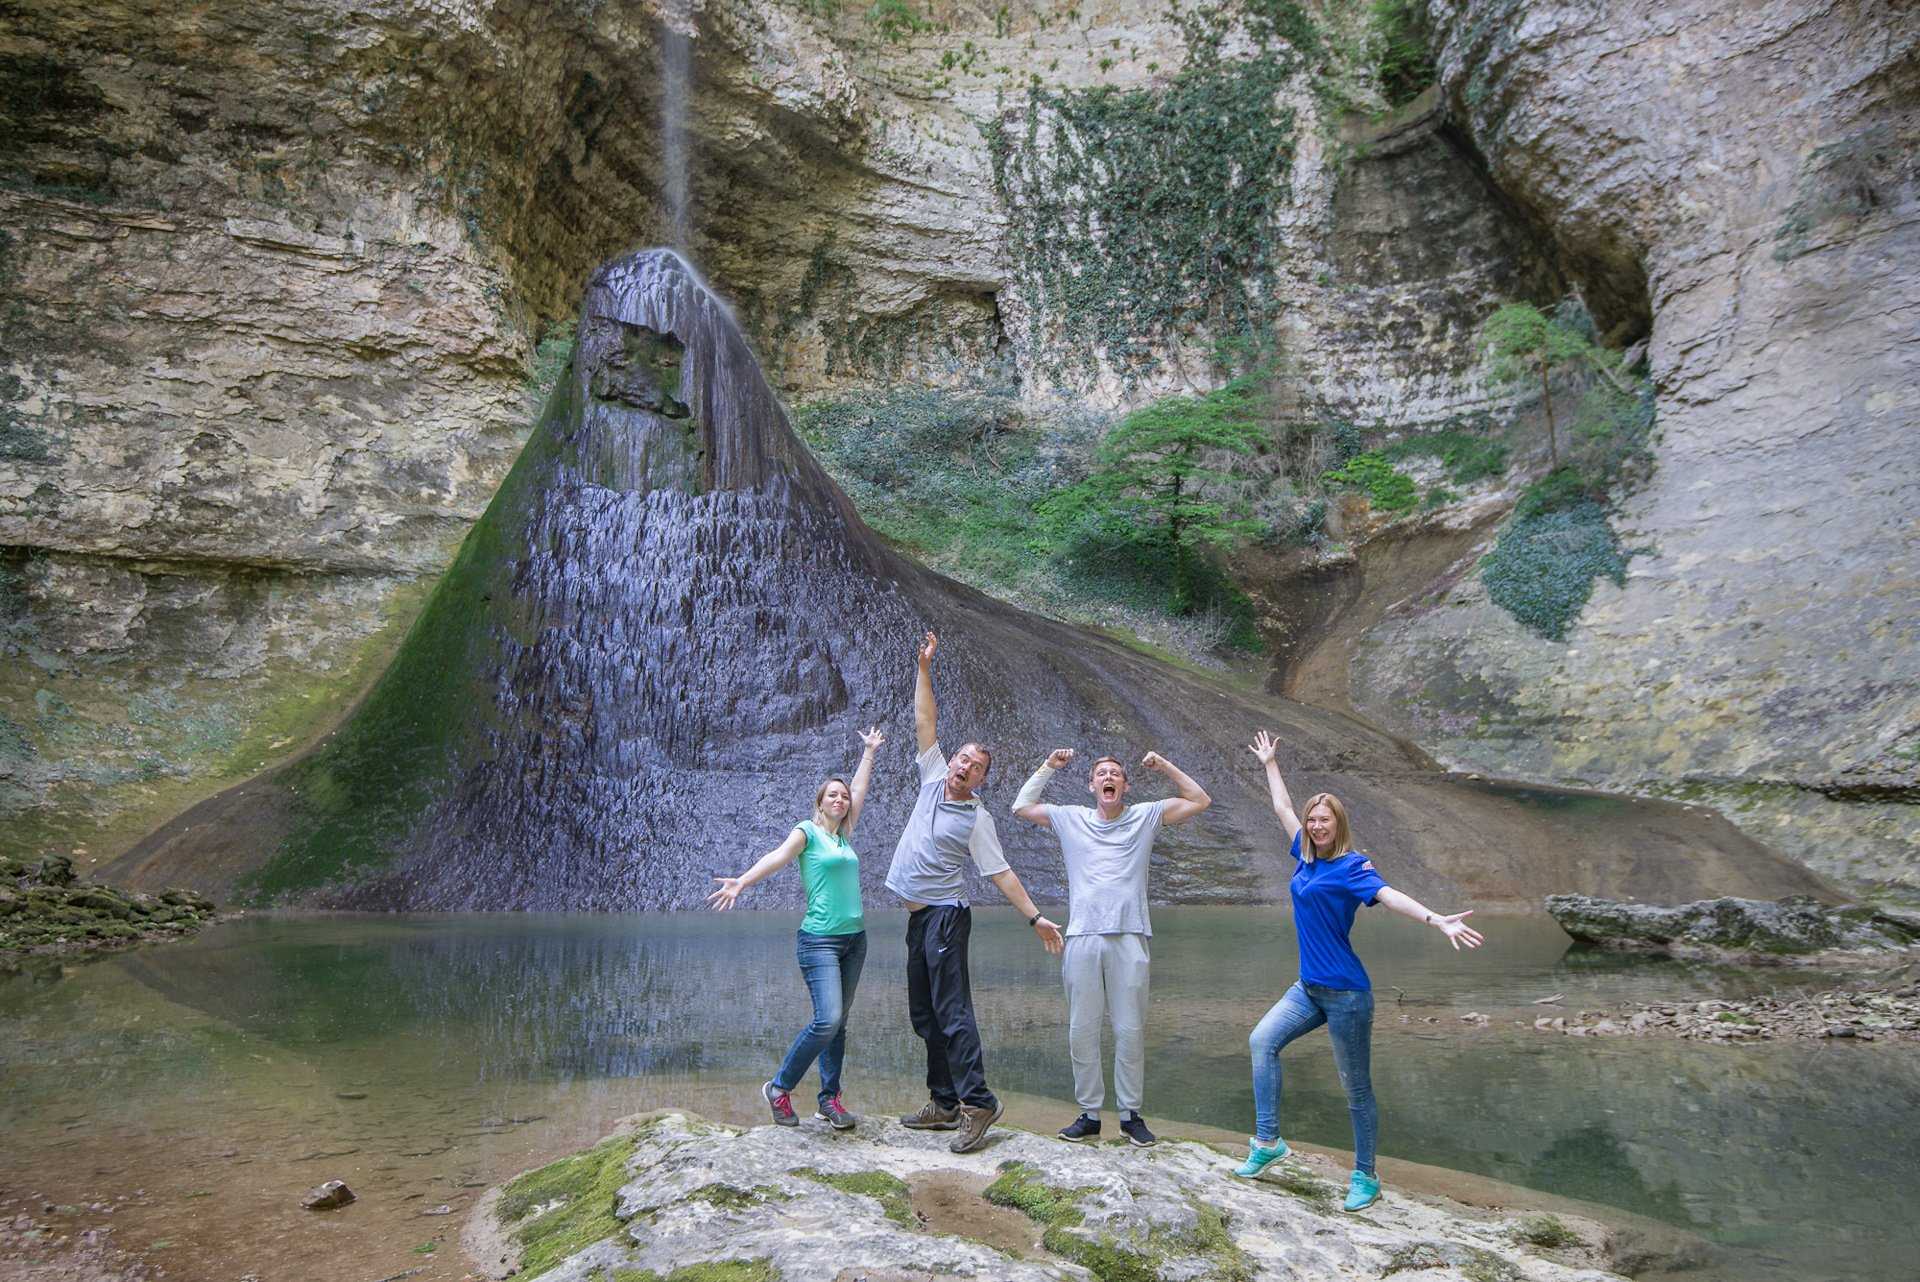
{"points": [[1107, 975]]}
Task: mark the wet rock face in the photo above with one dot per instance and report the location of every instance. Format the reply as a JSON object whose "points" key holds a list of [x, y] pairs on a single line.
{"points": [[696, 1194], [1744, 186], [670, 623], [1728, 926]]}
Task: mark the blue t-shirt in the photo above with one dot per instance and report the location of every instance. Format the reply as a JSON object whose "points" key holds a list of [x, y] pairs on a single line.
{"points": [[1326, 895]]}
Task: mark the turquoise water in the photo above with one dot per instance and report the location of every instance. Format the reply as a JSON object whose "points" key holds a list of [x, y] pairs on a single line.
{"points": [[423, 1057]]}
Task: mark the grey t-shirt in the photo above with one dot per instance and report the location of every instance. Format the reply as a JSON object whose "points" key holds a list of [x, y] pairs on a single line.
{"points": [[1107, 866], [930, 862]]}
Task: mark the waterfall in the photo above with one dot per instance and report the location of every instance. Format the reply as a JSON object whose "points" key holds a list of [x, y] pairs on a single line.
{"points": [[676, 93]]}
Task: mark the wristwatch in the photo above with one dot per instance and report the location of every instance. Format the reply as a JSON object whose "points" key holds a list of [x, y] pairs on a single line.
{"points": [[1034, 918]]}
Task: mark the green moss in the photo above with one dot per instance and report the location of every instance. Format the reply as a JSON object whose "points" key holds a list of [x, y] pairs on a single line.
{"points": [[888, 1190], [760, 1270], [1295, 1182], [354, 798], [1545, 1231], [1019, 1187], [1474, 1263], [584, 1187], [729, 1198], [1388, 489], [1058, 1210]]}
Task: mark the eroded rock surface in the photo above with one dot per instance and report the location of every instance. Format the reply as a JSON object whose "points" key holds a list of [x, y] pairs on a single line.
{"points": [[697, 1193], [1744, 183]]}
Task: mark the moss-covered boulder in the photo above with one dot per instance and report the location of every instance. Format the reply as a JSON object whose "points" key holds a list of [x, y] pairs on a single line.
{"points": [[45, 908], [675, 1197]]}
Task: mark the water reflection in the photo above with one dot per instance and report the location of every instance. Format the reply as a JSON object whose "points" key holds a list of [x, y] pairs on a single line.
{"points": [[469, 1026]]}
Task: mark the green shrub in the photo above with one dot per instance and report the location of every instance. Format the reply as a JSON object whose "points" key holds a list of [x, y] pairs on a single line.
{"points": [[1543, 566], [895, 20], [1388, 489], [1467, 457], [1402, 44]]}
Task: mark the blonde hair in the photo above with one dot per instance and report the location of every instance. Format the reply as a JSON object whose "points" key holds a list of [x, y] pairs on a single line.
{"points": [[1115, 760], [820, 795], [1342, 832]]}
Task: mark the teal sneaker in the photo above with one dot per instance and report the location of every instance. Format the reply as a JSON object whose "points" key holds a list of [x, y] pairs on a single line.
{"points": [[1259, 1159], [1363, 1191]]}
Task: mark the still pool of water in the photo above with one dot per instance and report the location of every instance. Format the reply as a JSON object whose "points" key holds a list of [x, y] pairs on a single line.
{"points": [[199, 1088]]}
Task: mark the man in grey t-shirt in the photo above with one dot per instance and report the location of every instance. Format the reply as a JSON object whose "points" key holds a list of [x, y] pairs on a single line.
{"points": [[1106, 847], [948, 829]]}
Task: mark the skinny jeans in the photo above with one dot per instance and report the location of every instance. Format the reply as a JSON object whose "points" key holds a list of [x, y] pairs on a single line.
{"points": [[1348, 1015], [831, 965]]}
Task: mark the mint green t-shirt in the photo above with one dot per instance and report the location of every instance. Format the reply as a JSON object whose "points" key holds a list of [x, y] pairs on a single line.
{"points": [[831, 873]]}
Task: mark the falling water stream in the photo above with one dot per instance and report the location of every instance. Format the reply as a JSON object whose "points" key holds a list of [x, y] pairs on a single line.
{"points": [[676, 90]]}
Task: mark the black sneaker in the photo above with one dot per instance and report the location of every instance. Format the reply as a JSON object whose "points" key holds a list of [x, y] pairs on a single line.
{"points": [[1135, 1129], [1084, 1127]]}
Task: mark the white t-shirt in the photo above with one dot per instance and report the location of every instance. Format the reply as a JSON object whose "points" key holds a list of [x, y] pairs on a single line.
{"points": [[1107, 866], [929, 863]]}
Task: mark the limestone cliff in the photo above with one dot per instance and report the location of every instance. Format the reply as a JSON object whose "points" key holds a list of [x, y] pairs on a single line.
{"points": [[275, 276], [1743, 182]]}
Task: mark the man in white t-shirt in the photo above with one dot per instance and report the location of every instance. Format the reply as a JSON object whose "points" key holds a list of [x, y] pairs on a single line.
{"points": [[1107, 847], [948, 828]]}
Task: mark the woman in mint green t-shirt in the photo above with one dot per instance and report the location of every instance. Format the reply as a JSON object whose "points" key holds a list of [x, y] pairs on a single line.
{"points": [[832, 943]]}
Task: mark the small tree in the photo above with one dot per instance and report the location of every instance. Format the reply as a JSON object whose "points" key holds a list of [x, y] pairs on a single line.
{"points": [[1522, 342], [1151, 481]]}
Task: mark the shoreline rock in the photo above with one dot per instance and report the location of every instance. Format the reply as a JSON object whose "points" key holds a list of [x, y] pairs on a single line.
{"points": [[1792, 931], [45, 909], [674, 1192], [1886, 1010]]}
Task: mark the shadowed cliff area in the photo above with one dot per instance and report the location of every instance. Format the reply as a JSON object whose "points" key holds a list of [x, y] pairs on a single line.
{"points": [[667, 627]]}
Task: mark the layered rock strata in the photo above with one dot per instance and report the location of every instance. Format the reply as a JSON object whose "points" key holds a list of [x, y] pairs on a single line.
{"points": [[275, 277], [1744, 182]]}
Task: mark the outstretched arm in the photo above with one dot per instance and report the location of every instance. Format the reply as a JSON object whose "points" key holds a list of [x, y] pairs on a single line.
{"points": [[1027, 805], [767, 865], [1453, 926], [1192, 799], [1009, 883], [923, 709], [1262, 748], [872, 738]]}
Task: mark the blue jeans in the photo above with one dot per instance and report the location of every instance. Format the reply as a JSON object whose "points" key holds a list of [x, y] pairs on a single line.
{"points": [[831, 965], [1348, 1015]]}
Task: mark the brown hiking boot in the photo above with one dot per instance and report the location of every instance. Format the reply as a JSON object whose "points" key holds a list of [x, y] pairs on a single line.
{"points": [[973, 1126], [933, 1116]]}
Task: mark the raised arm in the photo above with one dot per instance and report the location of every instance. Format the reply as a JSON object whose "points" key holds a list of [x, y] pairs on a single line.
{"points": [[1262, 748], [1009, 883], [1192, 799], [767, 865], [872, 737], [923, 709], [1452, 925], [1027, 805]]}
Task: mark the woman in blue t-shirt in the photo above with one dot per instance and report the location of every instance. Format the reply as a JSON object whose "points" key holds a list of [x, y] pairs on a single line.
{"points": [[832, 941], [1331, 882]]}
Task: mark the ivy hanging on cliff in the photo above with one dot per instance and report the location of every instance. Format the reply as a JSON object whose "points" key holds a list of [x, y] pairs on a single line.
{"points": [[1134, 214]]}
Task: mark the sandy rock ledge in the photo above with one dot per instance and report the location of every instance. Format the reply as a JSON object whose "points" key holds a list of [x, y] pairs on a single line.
{"points": [[673, 1196]]}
